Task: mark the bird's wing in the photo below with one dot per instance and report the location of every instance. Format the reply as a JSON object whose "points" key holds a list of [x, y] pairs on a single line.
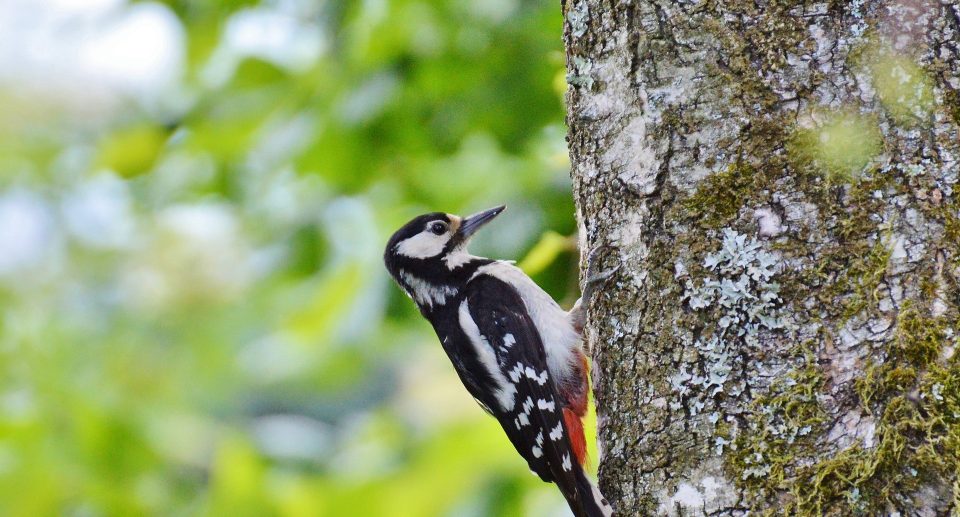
{"points": [[496, 320]]}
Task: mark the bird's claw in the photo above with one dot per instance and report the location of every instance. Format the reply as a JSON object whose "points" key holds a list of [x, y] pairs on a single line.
{"points": [[578, 314]]}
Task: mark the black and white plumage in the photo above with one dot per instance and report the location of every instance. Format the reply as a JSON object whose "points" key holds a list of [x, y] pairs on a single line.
{"points": [[515, 350]]}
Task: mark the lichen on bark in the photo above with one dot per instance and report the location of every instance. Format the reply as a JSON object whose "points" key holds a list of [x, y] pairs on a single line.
{"points": [[827, 384]]}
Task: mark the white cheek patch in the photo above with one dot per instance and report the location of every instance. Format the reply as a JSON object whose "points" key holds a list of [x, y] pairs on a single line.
{"points": [[423, 245]]}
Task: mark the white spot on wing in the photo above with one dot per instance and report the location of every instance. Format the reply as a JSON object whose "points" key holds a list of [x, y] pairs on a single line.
{"points": [[543, 404], [557, 432], [567, 465], [515, 373], [527, 405], [537, 452], [523, 419], [506, 391], [532, 374]]}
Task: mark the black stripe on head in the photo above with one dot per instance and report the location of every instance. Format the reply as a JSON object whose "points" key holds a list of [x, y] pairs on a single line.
{"points": [[392, 258]]}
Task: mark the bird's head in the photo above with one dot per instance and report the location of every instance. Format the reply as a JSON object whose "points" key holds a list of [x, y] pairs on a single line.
{"points": [[427, 251]]}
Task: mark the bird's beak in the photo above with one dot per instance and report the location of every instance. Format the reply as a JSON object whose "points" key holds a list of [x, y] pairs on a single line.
{"points": [[471, 224]]}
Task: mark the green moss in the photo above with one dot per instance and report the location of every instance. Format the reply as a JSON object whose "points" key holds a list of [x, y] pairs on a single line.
{"points": [[914, 399], [778, 434], [917, 436], [917, 433], [920, 339], [856, 285], [952, 98], [845, 254], [719, 198], [852, 261], [951, 226]]}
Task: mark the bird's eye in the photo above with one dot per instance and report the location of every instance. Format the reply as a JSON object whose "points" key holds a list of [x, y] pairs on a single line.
{"points": [[438, 228]]}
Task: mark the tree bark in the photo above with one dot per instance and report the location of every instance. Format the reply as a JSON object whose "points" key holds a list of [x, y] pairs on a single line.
{"points": [[776, 183]]}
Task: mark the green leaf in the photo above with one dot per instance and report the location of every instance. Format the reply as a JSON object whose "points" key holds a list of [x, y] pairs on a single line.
{"points": [[132, 151], [545, 252]]}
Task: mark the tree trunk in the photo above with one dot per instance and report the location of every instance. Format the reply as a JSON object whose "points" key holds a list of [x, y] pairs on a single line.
{"points": [[777, 182]]}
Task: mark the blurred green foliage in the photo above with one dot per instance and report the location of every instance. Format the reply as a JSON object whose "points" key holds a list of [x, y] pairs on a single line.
{"points": [[841, 143], [195, 317], [904, 87]]}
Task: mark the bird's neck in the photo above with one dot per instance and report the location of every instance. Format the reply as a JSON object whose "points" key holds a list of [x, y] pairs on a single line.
{"points": [[434, 285]]}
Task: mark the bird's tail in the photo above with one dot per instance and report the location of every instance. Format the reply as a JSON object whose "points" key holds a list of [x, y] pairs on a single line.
{"points": [[588, 502]]}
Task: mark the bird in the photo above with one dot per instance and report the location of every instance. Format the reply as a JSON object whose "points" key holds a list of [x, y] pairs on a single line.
{"points": [[517, 352]]}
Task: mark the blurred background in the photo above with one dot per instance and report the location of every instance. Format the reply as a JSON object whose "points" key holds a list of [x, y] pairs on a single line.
{"points": [[194, 199]]}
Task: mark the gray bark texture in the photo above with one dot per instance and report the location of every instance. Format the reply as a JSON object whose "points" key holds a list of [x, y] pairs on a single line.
{"points": [[774, 186]]}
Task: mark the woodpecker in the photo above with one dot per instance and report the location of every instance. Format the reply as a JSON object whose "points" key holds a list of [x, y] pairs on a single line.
{"points": [[515, 350]]}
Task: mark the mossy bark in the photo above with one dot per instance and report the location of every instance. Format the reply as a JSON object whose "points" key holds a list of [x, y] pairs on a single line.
{"points": [[775, 185]]}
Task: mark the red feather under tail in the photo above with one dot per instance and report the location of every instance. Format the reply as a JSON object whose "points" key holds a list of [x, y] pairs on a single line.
{"points": [[577, 441]]}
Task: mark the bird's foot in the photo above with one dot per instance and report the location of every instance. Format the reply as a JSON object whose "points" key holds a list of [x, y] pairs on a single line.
{"points": [[578, 314]]}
